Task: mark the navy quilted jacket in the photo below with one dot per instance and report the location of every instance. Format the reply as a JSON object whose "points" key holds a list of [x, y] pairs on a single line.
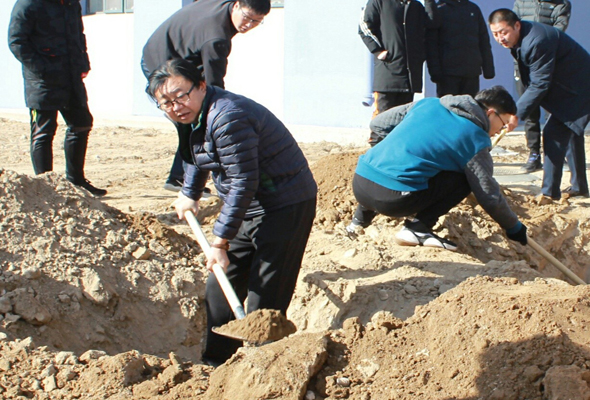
{"points": [[256, 165]]}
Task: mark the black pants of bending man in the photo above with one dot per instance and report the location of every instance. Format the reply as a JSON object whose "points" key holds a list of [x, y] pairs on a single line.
{"points": [[265, 259], [445, 190]]}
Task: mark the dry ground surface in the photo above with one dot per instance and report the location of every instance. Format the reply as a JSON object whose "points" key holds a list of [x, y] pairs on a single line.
{"points": [[104, 298]]}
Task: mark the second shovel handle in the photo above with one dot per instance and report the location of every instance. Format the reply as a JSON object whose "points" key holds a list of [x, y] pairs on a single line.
{"points": [[566, 271]]}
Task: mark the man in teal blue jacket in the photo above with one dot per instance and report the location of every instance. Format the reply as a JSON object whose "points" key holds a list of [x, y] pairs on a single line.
{"points": [[434, 153]]}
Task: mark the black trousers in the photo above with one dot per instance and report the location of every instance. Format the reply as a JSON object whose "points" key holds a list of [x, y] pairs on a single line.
{"points": [[43, 127], [559, 140], [457, 85], [265, 258], [445, 190], [383, 102]]}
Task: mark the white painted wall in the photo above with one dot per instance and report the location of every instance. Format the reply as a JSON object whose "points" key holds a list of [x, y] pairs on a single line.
{"points": [[109, 83]]}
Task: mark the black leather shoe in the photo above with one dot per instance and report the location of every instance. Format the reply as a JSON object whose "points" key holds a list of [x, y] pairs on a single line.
{"points": [[85, 184], [533, 164], [569, 192]]}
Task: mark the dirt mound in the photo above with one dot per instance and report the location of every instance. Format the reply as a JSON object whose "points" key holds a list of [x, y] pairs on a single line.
{"points": [[99, 304], [78, 274], [487, 338]]}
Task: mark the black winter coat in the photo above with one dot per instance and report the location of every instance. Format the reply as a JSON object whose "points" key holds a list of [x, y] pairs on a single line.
{"points": [[549, 12], [201, 33], [554, 69], [47, 37], [398, 26], [461, 45], [257, 167]]}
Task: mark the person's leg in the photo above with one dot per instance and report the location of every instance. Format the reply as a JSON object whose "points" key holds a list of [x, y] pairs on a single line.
{"points": [[445, 190], [532, 129], [43, 127], [470, 86], [79, 121], [556, 137], [219, 348], [280, 241], [576, 158], [176, 175], [448, 85]]}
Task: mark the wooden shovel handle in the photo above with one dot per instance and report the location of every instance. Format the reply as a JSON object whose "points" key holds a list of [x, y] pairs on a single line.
{"points": [[567, 272], [226, 287]]}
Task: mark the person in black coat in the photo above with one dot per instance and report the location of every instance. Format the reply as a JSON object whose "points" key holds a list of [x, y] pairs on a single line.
{"points": [[459, 50], [263, 178], [554, 69], [201, 33], [554, 13], [394, 32], [47, 37]]}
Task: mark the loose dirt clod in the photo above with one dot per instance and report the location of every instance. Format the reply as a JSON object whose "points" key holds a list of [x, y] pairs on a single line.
{"points": [[259, 326]]}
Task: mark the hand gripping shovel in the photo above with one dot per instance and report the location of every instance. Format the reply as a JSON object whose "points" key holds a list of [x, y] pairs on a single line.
{"points": [[226, 287]]}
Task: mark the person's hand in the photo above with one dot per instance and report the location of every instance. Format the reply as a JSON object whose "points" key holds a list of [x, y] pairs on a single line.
{"points": [[383, 55], [512, 123], [183, 204], [218, 255], [519, 235], [83, 75]]}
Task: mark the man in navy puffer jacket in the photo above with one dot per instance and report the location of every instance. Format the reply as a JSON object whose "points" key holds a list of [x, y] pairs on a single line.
{"points": [[260, 173]]}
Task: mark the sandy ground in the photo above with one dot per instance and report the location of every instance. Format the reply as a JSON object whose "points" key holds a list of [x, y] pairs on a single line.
{"points": [[103, 298]]}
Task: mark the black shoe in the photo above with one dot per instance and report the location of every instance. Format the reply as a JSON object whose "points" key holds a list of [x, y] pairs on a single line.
{"points": [[173, 185], [569, 192], [88, 186], [533, 164]]}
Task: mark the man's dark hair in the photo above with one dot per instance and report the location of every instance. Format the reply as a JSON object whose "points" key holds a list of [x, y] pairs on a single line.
{"points": [[497, 98], [503, 15], [261, 7], [173, 67]]}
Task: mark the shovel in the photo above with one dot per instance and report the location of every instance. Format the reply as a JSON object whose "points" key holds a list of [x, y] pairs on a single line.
{"points": [[228, 290], [566, 271]]}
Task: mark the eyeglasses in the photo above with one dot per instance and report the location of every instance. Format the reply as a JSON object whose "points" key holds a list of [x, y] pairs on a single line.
{"points": [[249, 20], [504, 124], [182, 98]]}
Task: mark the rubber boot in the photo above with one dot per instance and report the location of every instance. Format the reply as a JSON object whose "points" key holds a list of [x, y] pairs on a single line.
{"points": [[75, 145]]}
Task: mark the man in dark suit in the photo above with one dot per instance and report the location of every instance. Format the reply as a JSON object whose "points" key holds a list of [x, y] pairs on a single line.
{"points": [[553, 13], [554, 70], [201, 33]]}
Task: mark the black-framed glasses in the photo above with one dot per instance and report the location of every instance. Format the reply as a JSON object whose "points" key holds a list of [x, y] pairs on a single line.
{"points": [[182, 98], [504, 124], [250, 20]]}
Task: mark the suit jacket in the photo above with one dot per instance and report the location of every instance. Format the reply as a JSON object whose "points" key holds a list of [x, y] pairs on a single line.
{"points": [[554, 69]]}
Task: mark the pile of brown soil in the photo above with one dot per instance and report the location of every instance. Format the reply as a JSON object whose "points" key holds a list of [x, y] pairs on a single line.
{"points": [[259, 327]]}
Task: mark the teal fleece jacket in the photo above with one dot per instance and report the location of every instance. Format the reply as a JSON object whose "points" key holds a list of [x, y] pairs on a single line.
{"points": [[430, 139]]}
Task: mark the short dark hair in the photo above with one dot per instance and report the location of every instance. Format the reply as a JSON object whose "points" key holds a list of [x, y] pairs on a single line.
{"points": [[497, 98], [503, 15], [261, 7], [173, 67]]}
